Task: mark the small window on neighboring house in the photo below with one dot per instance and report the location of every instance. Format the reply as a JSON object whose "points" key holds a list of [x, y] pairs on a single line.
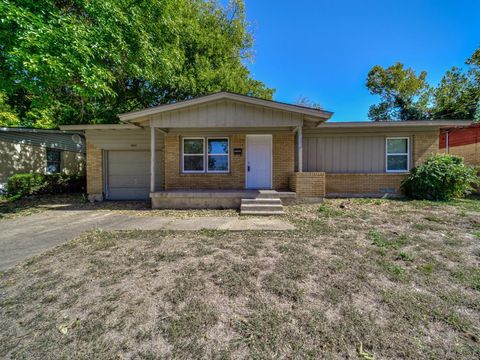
{"points": [[193, 155], [218, 155], [398, 157], [53, 161]]}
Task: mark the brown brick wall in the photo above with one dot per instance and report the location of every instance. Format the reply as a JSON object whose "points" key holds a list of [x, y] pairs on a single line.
{"points": [[470, 153], [283, 153], [367, 184], [174, 179], [94, 171], [424, 145], [308, 184]]}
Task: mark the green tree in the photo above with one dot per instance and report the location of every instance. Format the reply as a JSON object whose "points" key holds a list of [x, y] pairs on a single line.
{"points": [[404, 95], [84, 61], [456, 96], [476, 116], [7, 116]]}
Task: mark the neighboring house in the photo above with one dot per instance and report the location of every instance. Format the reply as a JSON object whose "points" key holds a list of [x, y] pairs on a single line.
{"points": [[210, 151], [40, 151], [462, 141]]}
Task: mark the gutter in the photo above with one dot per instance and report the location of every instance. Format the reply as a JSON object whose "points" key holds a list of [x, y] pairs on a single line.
{"points": [[447, 147], [40, 131]]}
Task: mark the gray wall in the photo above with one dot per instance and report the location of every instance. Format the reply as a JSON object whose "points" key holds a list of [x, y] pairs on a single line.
{"points": [[346, 153]]}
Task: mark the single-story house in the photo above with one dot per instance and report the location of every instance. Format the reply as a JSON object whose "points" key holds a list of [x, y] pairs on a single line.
{"points": [[40, 151], [462, 141], [215, 150]]}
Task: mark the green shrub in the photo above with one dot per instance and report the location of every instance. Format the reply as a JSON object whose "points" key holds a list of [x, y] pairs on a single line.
{"points": [[21, 185], [442, 177]]}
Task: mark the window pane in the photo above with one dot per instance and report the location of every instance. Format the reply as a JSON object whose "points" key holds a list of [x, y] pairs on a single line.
{"points": [[217, 163], [193, 146], [53, 155], [217, 146], [193, 163], [397, 146], [53, 168], [397, 162]]}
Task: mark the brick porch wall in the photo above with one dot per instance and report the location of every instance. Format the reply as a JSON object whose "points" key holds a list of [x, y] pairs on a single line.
{"points": [[308, 184]]}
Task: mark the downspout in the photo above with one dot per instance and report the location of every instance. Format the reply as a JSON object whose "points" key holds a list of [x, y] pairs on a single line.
{"points": [[447, 147]]}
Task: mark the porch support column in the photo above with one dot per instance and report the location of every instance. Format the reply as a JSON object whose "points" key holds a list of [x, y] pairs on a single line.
{"points": [[300, 148], [153, 160]]}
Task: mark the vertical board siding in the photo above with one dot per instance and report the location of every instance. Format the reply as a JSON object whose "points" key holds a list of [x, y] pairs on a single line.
{"points": [[344, 154], [226, 114]]}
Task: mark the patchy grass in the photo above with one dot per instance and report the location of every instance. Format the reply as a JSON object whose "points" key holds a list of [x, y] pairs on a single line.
{"points": [[358, 279], [23, 207], [28, 206]]}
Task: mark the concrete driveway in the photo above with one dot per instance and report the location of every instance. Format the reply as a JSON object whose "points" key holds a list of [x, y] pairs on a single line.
{"points": [[30, 235]]}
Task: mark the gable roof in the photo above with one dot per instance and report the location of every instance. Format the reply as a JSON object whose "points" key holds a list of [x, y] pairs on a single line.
{"points": [[309, 113]]}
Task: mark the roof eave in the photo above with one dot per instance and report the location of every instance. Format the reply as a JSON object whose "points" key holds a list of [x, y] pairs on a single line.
{"points": [[99, 127], [35, 130], [395, 124]]}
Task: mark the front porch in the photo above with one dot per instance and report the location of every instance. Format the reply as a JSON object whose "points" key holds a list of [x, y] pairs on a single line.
{"points": [[216, 150], [246, 200]]}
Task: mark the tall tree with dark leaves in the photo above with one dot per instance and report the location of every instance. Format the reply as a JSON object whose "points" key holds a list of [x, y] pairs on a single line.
{"points": [[474, 62], [84, 61], [404, 95], [456, 96]]}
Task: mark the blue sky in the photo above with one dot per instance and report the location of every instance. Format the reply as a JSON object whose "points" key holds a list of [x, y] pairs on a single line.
{"points": [[324, 49]]}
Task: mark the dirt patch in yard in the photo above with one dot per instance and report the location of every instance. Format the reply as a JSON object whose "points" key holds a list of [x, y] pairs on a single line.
{"points": [[390, 279]]}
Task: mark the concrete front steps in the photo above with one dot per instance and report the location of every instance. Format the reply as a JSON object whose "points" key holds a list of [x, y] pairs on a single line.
{"points": [[266, 203]]}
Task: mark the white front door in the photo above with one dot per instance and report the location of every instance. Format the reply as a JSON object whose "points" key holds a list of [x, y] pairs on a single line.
{"points": [[259, 162]]}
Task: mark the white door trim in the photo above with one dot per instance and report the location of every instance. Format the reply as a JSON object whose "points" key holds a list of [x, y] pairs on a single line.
{"points": [[246, 158]]}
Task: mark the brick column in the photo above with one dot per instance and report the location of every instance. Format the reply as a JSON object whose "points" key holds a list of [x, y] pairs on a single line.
{"points": [[283, 160], [94, 173]]}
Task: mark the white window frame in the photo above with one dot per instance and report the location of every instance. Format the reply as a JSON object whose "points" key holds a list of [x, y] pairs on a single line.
{"points": [[202, 154], [387, 154], [227, 154]]}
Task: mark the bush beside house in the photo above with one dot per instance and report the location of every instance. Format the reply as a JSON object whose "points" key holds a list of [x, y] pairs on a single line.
{"points": [[442, 177], [21, 185]]}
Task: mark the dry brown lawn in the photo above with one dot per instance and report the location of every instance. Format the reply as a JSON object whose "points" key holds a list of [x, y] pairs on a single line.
{"points": [[363, 279]]}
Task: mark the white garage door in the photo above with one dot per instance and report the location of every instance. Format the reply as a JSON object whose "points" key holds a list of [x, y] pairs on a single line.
{"points": [[128, 175]]}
